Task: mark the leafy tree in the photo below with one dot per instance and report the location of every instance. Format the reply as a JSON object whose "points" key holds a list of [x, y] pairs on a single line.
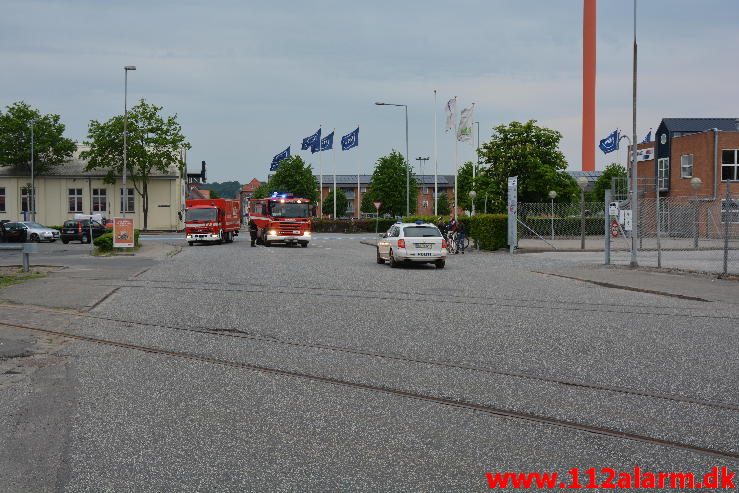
{"points": [[262, 190], [154, 146], [296, 177], [532, 153], [388, 185], [341, 203], [482, 182], [50, 147], [442, 204], [603, 183], [227, 189], [213, 193]]}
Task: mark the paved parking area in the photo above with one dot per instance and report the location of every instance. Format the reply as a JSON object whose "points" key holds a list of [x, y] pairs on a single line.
{"points": [[230, 368]]}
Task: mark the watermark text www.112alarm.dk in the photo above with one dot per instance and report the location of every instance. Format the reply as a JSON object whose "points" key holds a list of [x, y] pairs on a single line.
{"points": [[609, 478]]}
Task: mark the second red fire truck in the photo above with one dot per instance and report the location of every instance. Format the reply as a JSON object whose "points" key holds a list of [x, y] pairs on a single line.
{"points": [[280, 218]]}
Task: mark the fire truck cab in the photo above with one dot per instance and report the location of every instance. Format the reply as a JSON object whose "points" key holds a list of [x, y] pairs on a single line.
{"points": [[280, 218]]}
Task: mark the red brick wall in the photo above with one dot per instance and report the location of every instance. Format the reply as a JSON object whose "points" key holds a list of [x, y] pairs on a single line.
{"points": [[701, 147]]}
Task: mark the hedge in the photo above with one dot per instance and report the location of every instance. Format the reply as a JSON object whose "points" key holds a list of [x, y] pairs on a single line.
{"points": [[104, 242], [349, 226]]}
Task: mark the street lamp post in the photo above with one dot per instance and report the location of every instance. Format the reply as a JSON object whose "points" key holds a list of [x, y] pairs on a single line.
{"points": [[407, 162], [696, 183], [124, 193], [582, 182], [421, 160], [32, 204], [552, 195], [476, 164]]}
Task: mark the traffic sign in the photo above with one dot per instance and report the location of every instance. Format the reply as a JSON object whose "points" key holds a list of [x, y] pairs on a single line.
{"points": [[377, 205]]}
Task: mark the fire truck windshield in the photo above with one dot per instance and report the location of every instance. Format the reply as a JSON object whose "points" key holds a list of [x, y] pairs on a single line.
{"points": [[289, 210], [208, 214]]}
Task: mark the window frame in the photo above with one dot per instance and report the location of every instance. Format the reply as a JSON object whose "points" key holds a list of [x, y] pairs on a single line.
{"points": [[97, 205], [131, 201], [684, 166], [734, 165], [25, 195], [78, 200], [663, 175], [3, 198]]}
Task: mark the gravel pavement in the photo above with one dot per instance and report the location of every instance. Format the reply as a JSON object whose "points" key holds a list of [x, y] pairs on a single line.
{"points": [[489, 329]]}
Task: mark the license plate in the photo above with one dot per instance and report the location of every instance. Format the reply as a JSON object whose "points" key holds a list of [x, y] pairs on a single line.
{"points": [[424, 254], [423, 245], [296, 232]]}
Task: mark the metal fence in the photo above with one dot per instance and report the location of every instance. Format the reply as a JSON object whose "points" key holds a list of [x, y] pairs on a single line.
{"points": [[686, 233], [558, 226]]}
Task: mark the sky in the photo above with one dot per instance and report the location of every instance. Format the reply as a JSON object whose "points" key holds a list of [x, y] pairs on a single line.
{"points": [[249, 78]]}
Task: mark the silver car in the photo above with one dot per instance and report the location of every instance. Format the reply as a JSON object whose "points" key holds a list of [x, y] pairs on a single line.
{"points": [[37, 232]]}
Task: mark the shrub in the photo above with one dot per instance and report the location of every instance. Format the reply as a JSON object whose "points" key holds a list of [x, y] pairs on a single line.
{"points": [[104, 242]]}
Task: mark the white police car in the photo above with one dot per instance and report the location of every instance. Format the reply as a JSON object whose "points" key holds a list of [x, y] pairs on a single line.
{"points": [[417, 242]]}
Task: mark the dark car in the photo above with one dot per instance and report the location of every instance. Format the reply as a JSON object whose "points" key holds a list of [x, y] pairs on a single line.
{"points": [[12, 232], [80, 230]]}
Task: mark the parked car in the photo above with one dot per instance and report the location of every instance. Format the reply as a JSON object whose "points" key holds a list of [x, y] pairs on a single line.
{"points": [[80, 230], [412, 242], [37, 232], [12, 232]]}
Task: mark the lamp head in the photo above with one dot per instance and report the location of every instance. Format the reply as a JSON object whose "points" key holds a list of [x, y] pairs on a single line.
{"points": [[582, 182], [696, 183], [129, 67], [552, 195]]}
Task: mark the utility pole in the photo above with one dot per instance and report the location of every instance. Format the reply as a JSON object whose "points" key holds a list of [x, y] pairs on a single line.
{"points": [[124, 193], [420, 167], [32, 205]]}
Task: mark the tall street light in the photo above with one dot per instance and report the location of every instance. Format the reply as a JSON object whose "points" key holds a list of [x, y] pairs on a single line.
{"points": [[124, 198], [408, 163], [33, 182]]}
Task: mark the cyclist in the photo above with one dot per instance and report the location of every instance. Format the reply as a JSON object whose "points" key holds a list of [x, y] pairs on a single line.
{"points": [[460, 237]]}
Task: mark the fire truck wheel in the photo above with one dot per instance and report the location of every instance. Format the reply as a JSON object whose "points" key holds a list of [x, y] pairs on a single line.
{"points": [[191, 243], [304, 244], [267, 243]]}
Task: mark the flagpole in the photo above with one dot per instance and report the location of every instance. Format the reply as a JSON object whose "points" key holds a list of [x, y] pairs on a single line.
{"points": [[333, 151], [635, 184], [320, 167], [436, 164], [456, 158], [359, 203]]}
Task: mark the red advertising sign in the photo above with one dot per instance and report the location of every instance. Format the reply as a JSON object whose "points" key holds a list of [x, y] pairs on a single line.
{"points": [[123, 232]]}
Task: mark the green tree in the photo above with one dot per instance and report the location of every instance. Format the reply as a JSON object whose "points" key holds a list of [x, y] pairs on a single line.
{"points": [[262, 190], [155, 145], [388, 185], [227, 189], [442, 204], [50, 147], [341, 203], [213, 193], [532, 153], [296, 177], [603, 183], [482, 182]]}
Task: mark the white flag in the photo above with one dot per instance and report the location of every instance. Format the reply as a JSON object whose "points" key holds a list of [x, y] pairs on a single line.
{"points": [[451, 113], [466, 120]]}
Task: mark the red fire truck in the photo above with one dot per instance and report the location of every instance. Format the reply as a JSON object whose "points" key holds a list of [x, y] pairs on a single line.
{"points": [[280, 218], [212, 220]]}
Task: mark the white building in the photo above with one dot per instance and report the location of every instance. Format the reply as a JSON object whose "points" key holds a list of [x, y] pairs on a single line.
{"points": [[68, 189]]}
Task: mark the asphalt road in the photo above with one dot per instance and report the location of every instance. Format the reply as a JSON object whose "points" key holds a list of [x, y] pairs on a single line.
{"points": [[368, 362]]}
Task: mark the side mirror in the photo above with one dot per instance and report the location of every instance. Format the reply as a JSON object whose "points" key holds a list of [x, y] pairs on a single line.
{"points": [[383, 235]]}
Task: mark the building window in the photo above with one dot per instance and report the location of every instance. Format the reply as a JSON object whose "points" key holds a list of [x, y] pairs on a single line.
{"points": [[663, 173], [2, 199], [730, 211], [99, 200], [26, 199], [363, 190], [350, 207], [425, 190], [425, 204], [128, 205], [75, 199], [686, 166], [730, 164]]}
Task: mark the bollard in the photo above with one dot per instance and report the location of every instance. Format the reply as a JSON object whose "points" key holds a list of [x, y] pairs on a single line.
{"points": [[28, 249]]}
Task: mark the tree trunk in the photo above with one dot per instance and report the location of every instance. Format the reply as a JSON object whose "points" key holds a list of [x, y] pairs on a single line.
{"points": [[145, 197]]}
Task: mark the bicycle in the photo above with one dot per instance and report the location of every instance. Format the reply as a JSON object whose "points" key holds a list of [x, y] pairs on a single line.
{"points": [[451, 242]]}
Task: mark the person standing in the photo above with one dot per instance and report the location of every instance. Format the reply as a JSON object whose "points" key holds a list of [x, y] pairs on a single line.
{"points": [[460, 236]]}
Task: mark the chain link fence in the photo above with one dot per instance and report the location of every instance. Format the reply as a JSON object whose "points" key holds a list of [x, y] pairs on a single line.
{"points": [[558, 226], [687, 233]]}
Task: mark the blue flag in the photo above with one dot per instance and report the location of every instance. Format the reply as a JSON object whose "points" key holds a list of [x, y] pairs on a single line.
{"points": [[647, 138], [350, 140], [276, 160], [610, 143], [327, 143], [312, 142]]}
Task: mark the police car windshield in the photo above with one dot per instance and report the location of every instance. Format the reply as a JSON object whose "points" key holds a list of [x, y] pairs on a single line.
{"points": [[208, 214], [421, 232], [289, 210]]}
